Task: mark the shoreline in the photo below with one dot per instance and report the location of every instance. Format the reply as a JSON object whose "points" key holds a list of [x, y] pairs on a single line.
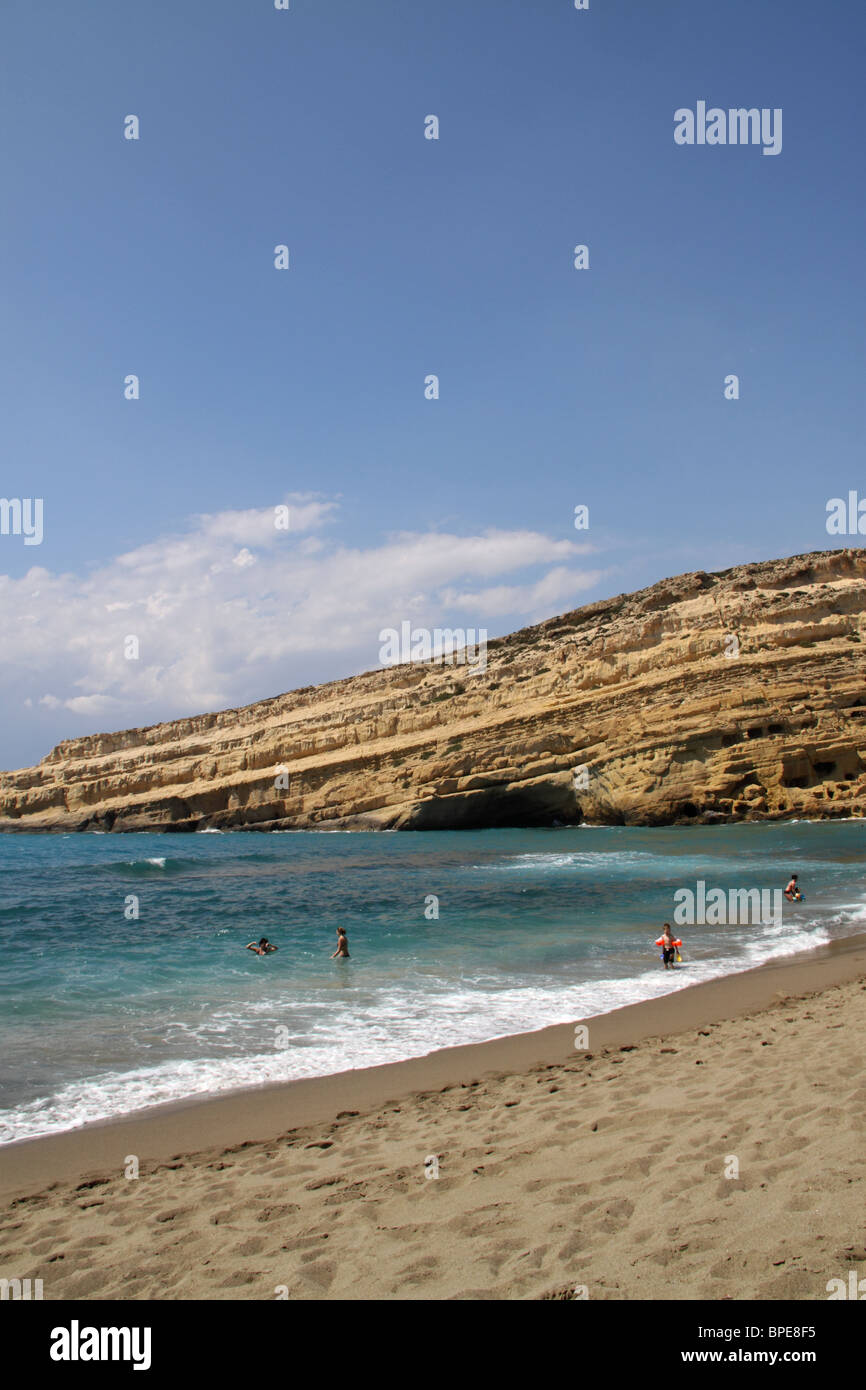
{"points": [[358, 824], [260, 1114]]}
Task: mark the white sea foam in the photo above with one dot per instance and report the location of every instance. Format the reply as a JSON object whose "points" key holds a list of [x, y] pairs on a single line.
{"points": [[325, 1038], [571, 859], [389, 1012]]}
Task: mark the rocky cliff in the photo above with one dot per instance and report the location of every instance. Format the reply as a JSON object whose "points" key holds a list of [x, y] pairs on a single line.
{"points": [[738, 695]]}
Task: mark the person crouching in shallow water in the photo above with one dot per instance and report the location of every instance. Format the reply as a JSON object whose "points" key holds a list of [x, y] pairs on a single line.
{"points": [[669, 950], [342, 944], [262, 947], [792, 892]]}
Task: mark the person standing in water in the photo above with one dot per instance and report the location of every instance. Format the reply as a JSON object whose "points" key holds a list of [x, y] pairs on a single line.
{"points": [[342, 944], [669, 950]]}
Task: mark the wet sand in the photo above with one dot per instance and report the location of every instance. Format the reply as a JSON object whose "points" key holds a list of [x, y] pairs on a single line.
{"points": [[703, 1145]]}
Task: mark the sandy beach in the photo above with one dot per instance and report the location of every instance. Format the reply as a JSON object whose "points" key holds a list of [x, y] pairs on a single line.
{"points": [[704, 1145]]}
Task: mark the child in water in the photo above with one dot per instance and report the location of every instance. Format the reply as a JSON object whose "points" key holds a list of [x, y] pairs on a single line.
{"points": [[792, 892], [669, 950]]}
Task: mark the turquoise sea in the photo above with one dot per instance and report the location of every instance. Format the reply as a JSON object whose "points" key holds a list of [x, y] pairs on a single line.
{"points": [[103, 1013]]}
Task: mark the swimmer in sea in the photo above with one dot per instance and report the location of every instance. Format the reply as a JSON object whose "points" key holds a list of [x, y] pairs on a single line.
{"points": [[342, 944], [262, 947]]}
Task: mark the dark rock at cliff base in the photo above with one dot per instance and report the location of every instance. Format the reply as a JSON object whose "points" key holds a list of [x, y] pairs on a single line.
{"points": [[705, 698]]}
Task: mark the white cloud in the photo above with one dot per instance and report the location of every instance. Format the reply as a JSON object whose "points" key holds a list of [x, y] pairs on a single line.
{"points": [[93, 704], [233, 609], [556, 591]]}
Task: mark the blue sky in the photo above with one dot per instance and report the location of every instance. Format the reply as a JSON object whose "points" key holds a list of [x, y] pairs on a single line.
{"points": [[408, 257]]}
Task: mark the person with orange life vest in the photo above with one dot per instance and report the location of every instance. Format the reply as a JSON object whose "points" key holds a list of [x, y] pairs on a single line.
{"points": [[670, 946]]}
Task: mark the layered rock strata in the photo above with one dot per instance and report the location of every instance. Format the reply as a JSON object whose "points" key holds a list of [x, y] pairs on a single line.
{"points": [[739, 695]]}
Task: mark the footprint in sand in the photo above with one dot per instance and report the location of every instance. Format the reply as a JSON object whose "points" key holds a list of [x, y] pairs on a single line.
{"points": [[241, 1279], [277, 1213], [253, 1245]]}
